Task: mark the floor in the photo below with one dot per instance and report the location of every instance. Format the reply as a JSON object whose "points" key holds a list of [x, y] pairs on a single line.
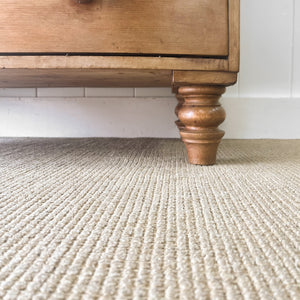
{"points": [[131, 219]]}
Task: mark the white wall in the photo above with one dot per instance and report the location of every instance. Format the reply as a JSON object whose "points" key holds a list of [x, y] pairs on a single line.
{"points": [[264, 104]]}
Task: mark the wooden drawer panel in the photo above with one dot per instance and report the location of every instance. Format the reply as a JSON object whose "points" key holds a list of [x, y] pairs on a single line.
{"points": [[169, 27]]}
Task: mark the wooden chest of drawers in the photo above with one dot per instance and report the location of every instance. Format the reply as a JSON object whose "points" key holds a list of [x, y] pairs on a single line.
{"points": [[191, 46]]}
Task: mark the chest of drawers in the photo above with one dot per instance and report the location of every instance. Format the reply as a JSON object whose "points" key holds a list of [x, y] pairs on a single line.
{"points": [[191, 46]]}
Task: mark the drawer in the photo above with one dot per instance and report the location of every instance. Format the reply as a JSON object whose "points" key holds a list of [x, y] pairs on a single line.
{"points": [[153, 27]]}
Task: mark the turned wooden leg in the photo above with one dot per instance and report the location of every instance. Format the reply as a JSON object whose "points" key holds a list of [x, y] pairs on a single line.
{"points": [[179, 105], [200, 114]]}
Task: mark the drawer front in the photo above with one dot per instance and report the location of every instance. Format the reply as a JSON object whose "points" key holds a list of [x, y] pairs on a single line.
{"points": [[166, 27]]}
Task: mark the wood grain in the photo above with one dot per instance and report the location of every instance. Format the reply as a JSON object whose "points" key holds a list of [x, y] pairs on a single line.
{"points": [[234, 35], [104, 26], [84, 77], [115, 62], [200, 115], [180, 100], [181, 78]]}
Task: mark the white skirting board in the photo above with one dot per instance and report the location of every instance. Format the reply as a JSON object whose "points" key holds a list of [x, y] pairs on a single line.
{"points": [[247, 118]]}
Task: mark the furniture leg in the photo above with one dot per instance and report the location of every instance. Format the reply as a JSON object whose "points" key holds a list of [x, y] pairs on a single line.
{"points": [[180, 99], [200, 114]]}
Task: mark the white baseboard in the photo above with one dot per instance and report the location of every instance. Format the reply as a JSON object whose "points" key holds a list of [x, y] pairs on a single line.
{"points": [[254, 118]]}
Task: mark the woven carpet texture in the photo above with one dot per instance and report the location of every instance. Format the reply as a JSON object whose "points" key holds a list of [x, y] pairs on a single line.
{"points": [[131, 219]]}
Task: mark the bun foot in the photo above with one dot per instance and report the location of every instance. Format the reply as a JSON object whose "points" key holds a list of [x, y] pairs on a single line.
{"points": [[202, 146], [199, 115]]}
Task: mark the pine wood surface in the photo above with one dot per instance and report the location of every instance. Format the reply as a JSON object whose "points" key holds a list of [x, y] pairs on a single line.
{"points": [[44, 70], [105, 26], [199, 115], [113, 62], [85, 77]]}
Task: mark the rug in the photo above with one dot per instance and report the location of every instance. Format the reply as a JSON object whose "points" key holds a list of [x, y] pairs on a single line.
{"points": [[131, 219]]}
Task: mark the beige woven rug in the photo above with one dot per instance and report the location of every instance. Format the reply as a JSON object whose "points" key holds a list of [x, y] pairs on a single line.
{"points": [[130, 219]]}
